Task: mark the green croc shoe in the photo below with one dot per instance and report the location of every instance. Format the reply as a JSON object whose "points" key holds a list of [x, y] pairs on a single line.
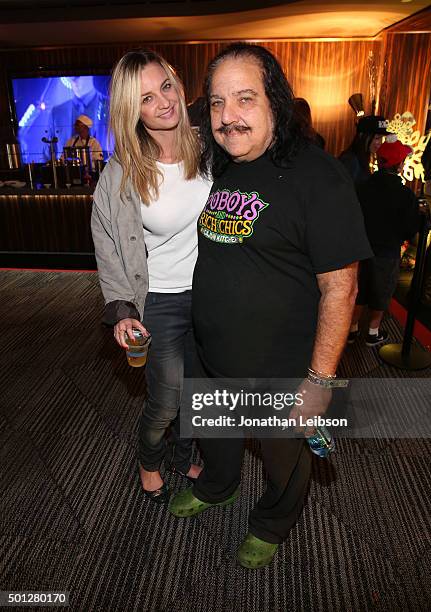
{"points": [[254, 553], [185, 504]]}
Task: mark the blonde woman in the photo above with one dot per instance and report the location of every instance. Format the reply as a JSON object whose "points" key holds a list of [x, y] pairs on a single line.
{"points": [[146, 205]]}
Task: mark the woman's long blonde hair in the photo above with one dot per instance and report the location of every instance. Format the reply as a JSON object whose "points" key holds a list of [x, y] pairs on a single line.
{"points": [[135, 149]]}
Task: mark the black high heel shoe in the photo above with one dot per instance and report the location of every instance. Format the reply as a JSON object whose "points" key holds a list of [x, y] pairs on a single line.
{"points": [[159, 496], [171, 468]]}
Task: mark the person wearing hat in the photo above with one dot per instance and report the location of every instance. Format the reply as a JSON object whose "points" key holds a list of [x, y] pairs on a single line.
{"points": [[391, 215], [84, 99], [82, 138], [369, 135]]}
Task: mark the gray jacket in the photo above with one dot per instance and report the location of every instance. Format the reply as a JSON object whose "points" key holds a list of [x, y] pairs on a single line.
{"points": [[121, 254]]}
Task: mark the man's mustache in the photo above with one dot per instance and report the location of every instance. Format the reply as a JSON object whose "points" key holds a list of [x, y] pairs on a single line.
{"points": [[227, 129]]}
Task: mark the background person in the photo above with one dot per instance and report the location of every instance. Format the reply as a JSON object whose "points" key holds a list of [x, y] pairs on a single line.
{"points": [[194, 110], [144, 228], [274, 285], [369, 137], [391, 215], [82, 138], [302, 111]]}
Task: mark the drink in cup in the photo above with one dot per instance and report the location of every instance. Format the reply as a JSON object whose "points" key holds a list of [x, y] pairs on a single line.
{"points": [[138, 349]]}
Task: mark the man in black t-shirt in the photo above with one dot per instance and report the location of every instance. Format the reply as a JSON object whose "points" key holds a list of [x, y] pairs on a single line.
{"points": [[275, 281]]}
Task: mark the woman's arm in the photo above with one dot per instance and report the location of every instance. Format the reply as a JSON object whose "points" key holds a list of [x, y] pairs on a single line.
{"points": [[117, 291]]}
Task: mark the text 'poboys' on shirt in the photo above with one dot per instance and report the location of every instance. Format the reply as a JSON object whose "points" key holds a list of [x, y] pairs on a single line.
{"points": [[264, 234], [229, 216]]}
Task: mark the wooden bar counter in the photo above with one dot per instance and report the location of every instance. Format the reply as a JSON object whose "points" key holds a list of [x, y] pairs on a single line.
{"points": [[46, 228]]}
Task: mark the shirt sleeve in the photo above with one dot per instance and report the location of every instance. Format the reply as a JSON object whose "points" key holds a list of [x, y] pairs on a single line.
{"points": [[334, 224], [410, 217], [116, 289]]}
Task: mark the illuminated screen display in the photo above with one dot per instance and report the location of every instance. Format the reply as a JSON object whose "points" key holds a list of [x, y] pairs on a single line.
{"points": [[47, 107]]}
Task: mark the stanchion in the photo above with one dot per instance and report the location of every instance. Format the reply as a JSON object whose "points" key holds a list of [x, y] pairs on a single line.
{"points": [[406, 356]]}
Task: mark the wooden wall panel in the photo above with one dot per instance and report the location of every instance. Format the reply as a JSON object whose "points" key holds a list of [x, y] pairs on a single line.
{"points": [[418, 22], [325, 73], [407, 75]]}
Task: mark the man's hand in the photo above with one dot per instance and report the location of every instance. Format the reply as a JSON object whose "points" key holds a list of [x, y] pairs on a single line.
{"points": [[124, 328], [316, 400]]}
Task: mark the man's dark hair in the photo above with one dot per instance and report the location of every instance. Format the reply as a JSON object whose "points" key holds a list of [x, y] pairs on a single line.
{"points": [[288, 134]]}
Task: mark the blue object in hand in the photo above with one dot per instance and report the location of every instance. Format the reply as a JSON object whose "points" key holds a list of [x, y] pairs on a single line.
{"points": [[321, 443]]}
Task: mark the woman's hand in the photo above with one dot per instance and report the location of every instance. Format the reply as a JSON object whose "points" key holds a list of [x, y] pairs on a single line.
{"points": [[124, 327]]}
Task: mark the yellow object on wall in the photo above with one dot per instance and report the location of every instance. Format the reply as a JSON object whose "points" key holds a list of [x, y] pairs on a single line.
{"points": [[402, 126]]}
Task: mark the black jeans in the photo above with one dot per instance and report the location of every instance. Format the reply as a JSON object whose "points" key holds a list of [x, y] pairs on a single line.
{"points": [[167, 317]]}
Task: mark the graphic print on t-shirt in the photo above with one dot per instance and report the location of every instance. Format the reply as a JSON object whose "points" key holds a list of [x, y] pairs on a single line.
{"points": [[229, 216]]}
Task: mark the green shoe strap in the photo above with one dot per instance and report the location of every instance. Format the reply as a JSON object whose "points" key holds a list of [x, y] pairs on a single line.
{"points": [[185, 504], [258, 545]]}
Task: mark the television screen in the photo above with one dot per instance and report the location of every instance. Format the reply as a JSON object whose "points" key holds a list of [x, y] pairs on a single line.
{"points": [[47, 107]]}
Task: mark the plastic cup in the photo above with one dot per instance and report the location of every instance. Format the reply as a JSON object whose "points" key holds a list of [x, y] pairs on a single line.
{"points": [[138, 349]]}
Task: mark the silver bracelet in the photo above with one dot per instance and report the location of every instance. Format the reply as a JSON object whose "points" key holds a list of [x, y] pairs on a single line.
{"points": [[321, 374], [327, 381]]}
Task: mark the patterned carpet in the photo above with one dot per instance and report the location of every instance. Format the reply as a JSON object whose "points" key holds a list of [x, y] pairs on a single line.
{"points": [[73, 517]]}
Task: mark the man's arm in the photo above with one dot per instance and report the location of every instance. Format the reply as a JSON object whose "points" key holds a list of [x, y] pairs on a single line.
{"points": [[338, 289], [96, 149]]}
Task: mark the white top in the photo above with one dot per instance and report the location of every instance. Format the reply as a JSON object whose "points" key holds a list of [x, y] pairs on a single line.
{"points": [[93, 144], [170, 229]]}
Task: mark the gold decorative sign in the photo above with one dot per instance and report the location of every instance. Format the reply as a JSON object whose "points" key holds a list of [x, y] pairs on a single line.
{"points": [[402, 126]]}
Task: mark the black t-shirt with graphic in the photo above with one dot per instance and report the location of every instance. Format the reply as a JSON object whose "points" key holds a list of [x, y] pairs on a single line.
{"points": [[264, 234]]}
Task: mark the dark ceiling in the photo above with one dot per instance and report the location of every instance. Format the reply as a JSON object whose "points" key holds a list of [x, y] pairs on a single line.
{"points": [[71, 22], [66, 10]]}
